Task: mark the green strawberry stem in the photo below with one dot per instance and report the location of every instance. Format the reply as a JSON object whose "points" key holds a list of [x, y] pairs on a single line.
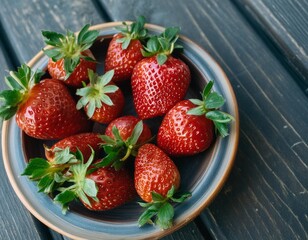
{"points": [[82, 188], [209, 106], [117, 150], [50, 175], [64, 176], [132, 32], [20, 83], [160, 209], [95, 94], [69, 47], [163, 45]]}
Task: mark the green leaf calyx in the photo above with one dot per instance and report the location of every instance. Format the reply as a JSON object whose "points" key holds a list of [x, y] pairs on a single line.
{"points": [[20, 83], [133, 31], [163, 45], [160, 211], [95, 94], [209, 106], [118, 150], [69, 47]]}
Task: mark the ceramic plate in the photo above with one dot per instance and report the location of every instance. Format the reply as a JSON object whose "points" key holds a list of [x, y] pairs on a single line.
{"points": [[203, 175]]}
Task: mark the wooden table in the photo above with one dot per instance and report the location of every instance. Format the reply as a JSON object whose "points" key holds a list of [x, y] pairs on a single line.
{"points": [[262, 45]]}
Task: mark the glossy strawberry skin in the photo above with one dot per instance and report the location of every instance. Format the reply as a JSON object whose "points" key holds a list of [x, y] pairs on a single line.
{"points": [[79, 75], [114, 188], [125, 125], [154, 171], [122, 60], [82, 141], [157, 88], [181, 134], [49, 112], [107, 113]]}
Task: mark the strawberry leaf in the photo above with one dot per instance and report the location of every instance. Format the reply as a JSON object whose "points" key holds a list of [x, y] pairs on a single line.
{"points": [[62, 156], [209, 106], [11, 97], [95, 94], [69, 47], [214, 100], [53, 38], [165, 216], [207, 89], [90, 188], [7, 112], [146, 217], [161, 58], [46, 184], [157, 197], [219, 116], [171, 33], [117, 150], [37, 167], [132, 32], [180, 197], [132, 140], [20, 83], [160, 209], [163, 45], [198, 111], [64, 198]]}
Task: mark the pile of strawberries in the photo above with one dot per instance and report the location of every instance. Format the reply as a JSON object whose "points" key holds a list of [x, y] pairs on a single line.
{"points": [[92, 167]]}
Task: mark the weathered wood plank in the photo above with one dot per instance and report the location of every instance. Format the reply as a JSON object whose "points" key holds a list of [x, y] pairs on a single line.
{"points": [[22, 22], [284, 23], [266, 193], [11, 208]]}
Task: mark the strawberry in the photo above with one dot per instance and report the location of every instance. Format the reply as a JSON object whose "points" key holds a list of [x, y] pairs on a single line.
{"points": [[83, 142], [188, 128], [125, 126], [123, 137], [70, 177], [115, 187], [70, 57], [160, 80], [156, 181], [124, 50], [45, 109], [102, 100]]}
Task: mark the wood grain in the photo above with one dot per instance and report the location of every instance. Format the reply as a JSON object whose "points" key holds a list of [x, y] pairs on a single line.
{"points": [[284, 24], [266, 194], [22, 23], [13, 215]]}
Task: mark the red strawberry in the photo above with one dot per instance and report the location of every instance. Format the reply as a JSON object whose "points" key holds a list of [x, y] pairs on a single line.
{"points": [[122, 139], [124, 50], [45, 109], [156, 180], [82, 141], [125, 126], [159, 81], [188, 128], [154, 171], [102, 100], [114, 188], [72, 176], [70, 57]]}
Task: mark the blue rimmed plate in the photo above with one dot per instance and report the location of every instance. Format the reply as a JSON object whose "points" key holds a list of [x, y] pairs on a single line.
{"points": [[203, 175]]}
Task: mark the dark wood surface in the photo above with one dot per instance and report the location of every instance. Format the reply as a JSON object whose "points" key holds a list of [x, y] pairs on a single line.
{"points": [[266, 195], [283, 25]]}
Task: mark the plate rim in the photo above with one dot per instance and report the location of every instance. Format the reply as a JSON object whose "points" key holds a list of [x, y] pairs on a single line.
{"points": [[234, 139]]}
